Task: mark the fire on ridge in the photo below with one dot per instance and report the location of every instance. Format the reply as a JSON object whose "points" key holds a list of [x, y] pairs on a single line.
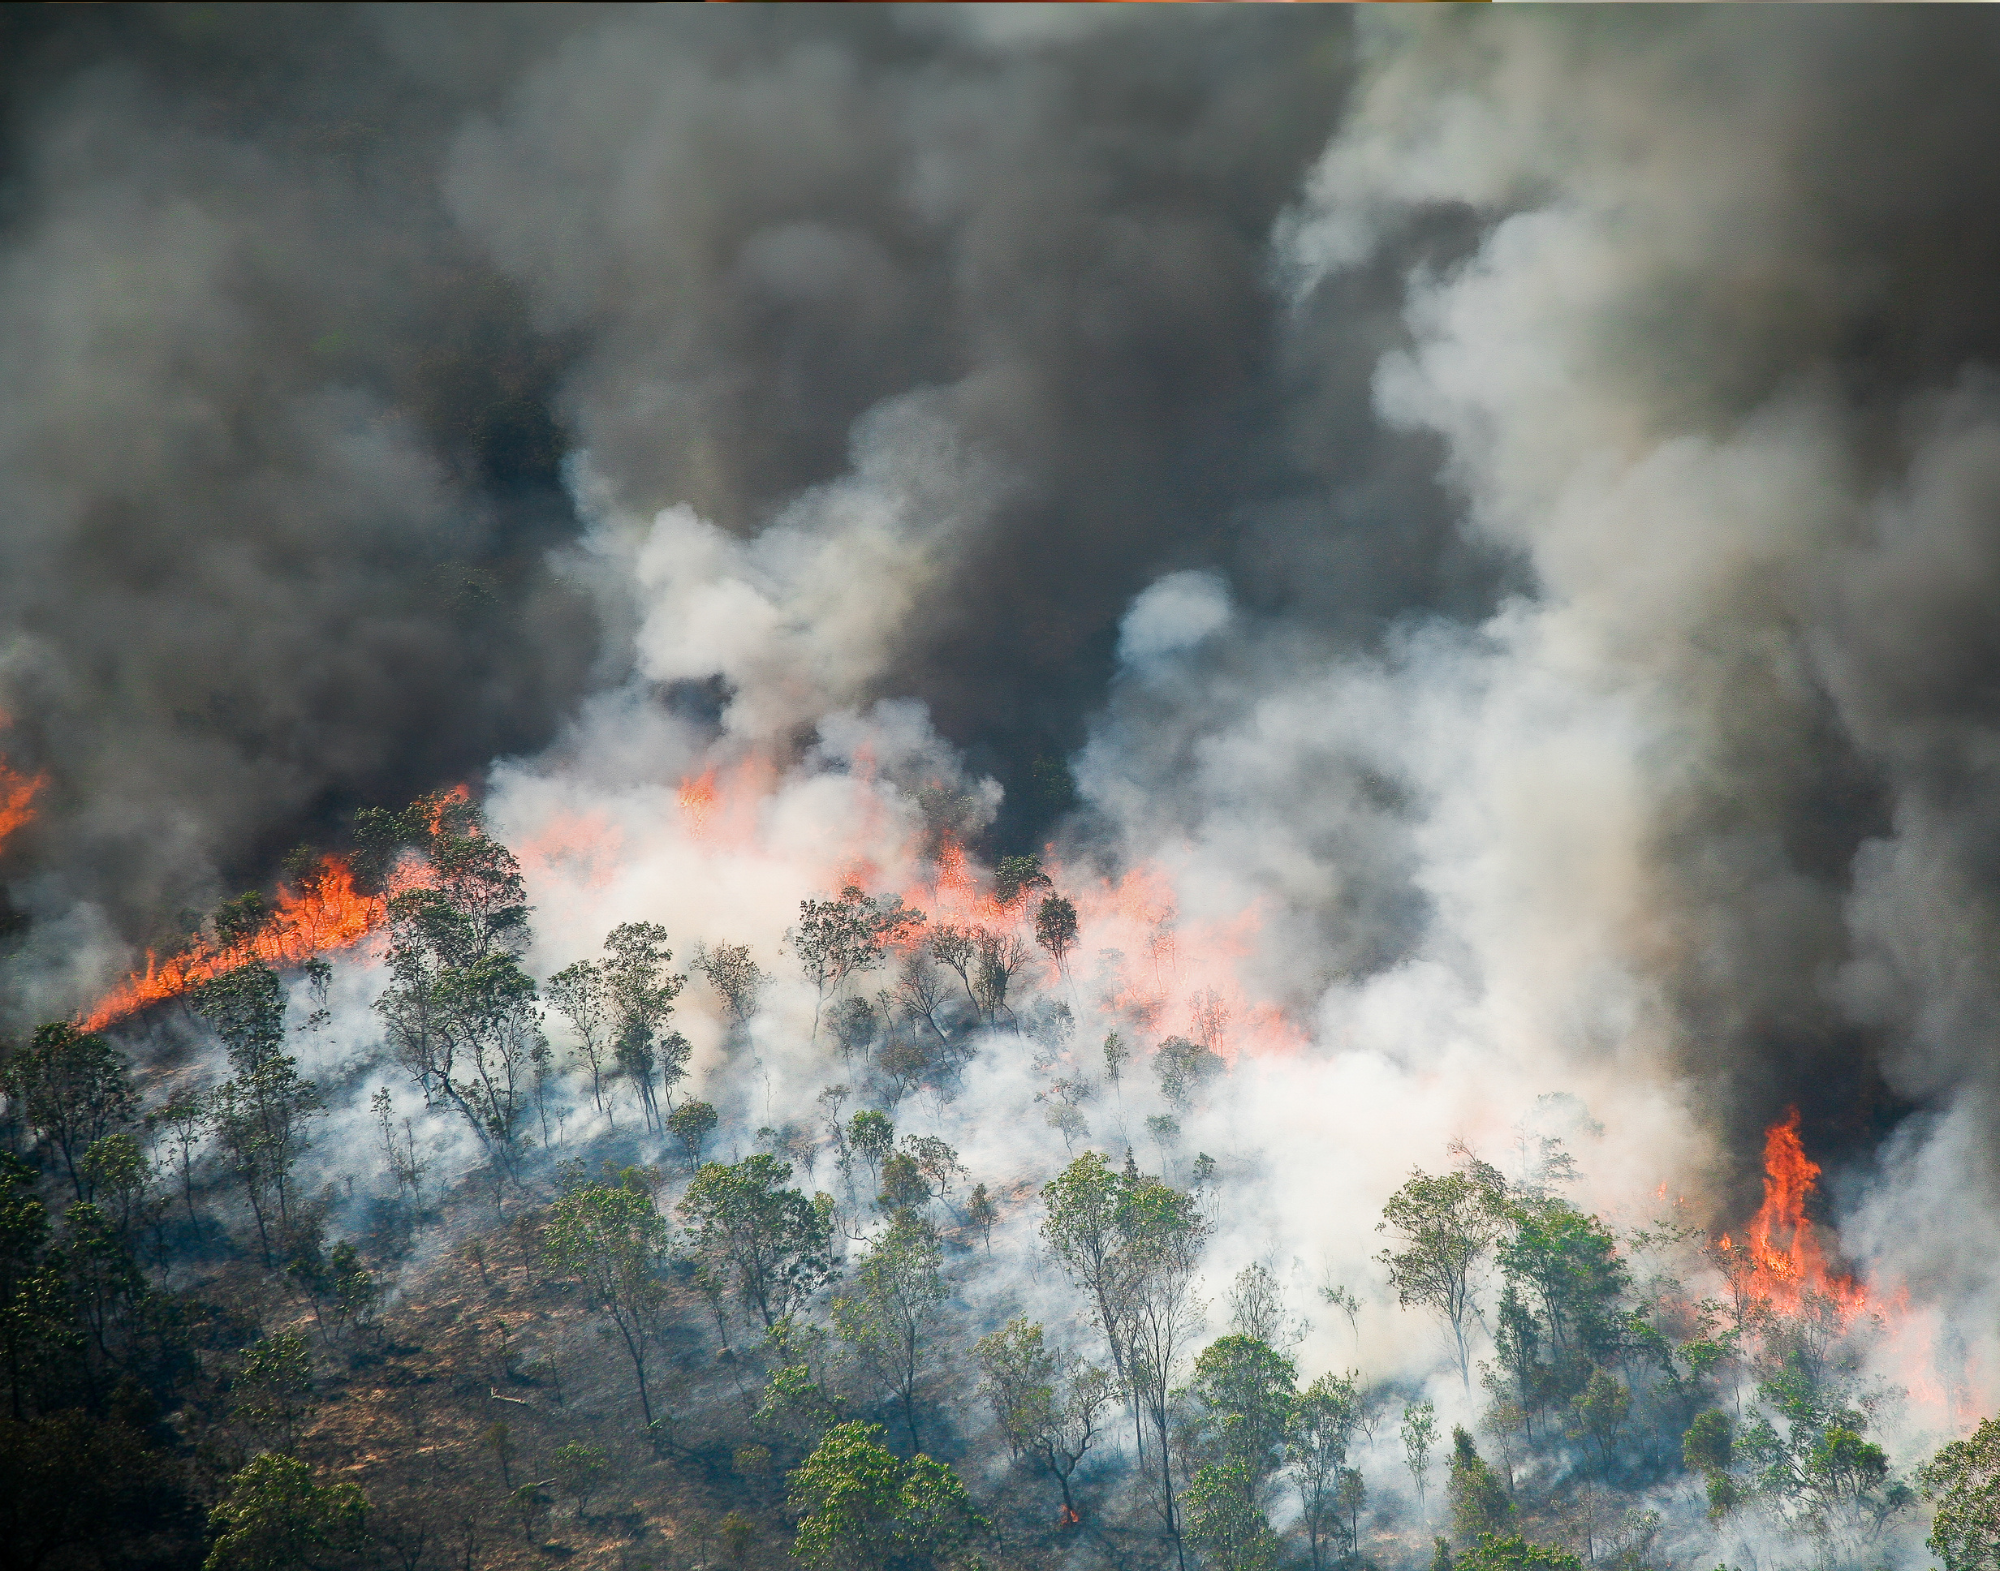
{"points": [[326, 912]]}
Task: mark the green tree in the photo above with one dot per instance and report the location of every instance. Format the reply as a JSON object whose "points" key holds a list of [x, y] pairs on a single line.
{"points": [[1350, 1497], [1014, 876], [275, 1518], [1963, 1480], [1182, 1068], [1514, 1553], [72, 1090], [982, 1213], [460, 1012], [1705, 1448], [1321, 1427], [82, 1491], [691, 1124], [355, 1290], [580, 1469], [260, 1118], [1082, 1232], [861, 1509], [736, 978], [1814, 1460], [246, 1009], [1161, 1235], [37, 1327], [1050, 1405], [1479, 1505], [1001, 957], [1600, 1411], [1562, 1318], [799, 1400], [262, 1114], [889, 1317], [1241, 1399], [1240, 1402], [116, 1169], [1226, 1524], [613, 1242], [748, 1231], [957, 950], [872, 1137], [183, 1124], [274, 1386], [1419, 1435], [1447, 1226], [580, 995], [1056, 928], [107, 1292], [903, 1185], [642, 993]]}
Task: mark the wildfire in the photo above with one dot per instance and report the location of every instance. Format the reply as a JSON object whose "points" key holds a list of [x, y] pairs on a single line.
{"points": [[698, 800], [17, 796], [326, 913], [1780, 1259]]}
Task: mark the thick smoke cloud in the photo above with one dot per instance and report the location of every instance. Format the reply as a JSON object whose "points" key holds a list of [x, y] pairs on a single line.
{"points": [[1507, 500], [305, 307], [276, 468], [1717, 378]]}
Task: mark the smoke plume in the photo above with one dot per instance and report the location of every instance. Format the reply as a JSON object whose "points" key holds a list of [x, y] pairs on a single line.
{"points": [[1467, 543]]}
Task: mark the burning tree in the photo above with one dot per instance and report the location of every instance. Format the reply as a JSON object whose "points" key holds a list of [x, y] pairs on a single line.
{"points": [[836, 939]]}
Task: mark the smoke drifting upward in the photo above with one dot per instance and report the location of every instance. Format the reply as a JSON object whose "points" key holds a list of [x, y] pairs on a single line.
{"points": [[1498, 513], [304, 307]]}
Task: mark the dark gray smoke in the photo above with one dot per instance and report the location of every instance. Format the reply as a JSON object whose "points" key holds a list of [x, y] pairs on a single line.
{"points": [[304, 307], [278, 466]]}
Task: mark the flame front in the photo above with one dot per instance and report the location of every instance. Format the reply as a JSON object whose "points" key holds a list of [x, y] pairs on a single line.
{"points": [[326, 914], [17, 797], [1780, 1259]]}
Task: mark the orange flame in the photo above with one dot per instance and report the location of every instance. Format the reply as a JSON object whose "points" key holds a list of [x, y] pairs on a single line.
{"points": [[327, 913], [698, 801], [17, 795], [1780, 1259], [445, 800]]}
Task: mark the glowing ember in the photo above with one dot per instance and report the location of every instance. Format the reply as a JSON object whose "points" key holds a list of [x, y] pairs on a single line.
{"points": [[1780, 1259], [327, 913], [17, 795]]}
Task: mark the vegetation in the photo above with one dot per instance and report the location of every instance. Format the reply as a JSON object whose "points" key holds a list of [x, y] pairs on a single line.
{"points": [[617, 1348]]}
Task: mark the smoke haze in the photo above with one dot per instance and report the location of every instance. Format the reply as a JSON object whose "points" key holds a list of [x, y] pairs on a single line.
{"points": [[1496, 514]]}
